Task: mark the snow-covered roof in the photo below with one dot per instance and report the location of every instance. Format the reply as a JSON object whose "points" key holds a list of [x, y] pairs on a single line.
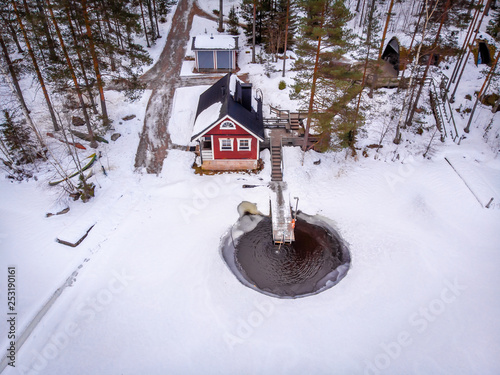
{"points": [[207, 117], [219, 101], [232, 83], [211, 42]]}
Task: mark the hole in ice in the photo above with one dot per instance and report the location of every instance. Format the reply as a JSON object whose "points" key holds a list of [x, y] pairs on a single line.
{"points": [[317, 260]]}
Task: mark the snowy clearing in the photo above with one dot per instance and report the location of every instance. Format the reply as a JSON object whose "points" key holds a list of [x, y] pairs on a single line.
{"points": [[147, 291]]}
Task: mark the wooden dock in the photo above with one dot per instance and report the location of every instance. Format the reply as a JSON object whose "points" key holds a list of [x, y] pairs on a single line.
{"points": [[281, 214]]}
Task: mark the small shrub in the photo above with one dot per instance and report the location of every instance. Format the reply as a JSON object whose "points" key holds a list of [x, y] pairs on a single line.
{"points": [[468, 97], [282, 85], [490, 99]]}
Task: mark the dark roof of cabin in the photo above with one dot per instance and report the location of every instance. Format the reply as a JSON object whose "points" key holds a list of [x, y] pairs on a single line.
{"points": [[220, 92]]}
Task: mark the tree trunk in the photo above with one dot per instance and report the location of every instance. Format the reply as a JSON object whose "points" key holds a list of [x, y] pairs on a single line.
{"points": [[443, 18], [286, 35], [96, 63], [93, 143], [421, 13], [45, 27], [419, 92], [362, 14], [12, 71], [388, 19], [151, 20], [80, 60], [37, 69], [464, 47], [357, 5], [431, 56], [13, 33], [253, 29], [377, 68], [397, 137], [452, 99], [156, 18], [108, 44], [313, 85], [480, 93], [365, 67], [144, 24], [220, 29], [29, 17]]}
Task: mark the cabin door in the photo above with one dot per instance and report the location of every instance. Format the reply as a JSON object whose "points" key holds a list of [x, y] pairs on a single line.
{"points": [[206, 148]]}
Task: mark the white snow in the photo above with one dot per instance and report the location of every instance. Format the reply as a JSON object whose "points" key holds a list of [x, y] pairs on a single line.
{"points": [[206, 118], [223, 42], [184, 108], [201, 26]]}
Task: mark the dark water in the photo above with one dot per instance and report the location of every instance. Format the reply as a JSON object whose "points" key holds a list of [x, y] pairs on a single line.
{"points": [[315, 261]]}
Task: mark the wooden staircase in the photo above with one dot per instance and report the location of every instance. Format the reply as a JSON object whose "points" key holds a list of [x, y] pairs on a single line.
{"points": [[296, 120], [286, 119], [276, 157]]}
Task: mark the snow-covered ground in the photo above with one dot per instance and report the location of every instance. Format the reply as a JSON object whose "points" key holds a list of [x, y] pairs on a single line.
{"points": [[149, 293], [156, 296]]}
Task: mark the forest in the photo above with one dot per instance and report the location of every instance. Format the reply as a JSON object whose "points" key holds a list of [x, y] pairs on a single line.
{"points": [[73, 50]]}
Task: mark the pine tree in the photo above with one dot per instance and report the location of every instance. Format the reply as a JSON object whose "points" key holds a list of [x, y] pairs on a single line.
{"points": [[164, 7], [9, 24], [324, 84], [35, 63], [271, 22], [95, 60], [12, 70], [16, 136], [233, 22], [83, 106], [246, 12]]}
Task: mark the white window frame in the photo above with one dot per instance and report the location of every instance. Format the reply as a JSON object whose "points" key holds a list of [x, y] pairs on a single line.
{"points": [[226, 139], [249, 144], [232, 127]]}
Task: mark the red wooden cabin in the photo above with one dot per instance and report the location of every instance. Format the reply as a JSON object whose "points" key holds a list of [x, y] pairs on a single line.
{"points": [[229, 130]]}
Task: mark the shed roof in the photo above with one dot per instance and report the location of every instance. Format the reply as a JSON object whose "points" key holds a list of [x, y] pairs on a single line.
{"points": [[214, 42], [220, 97]]}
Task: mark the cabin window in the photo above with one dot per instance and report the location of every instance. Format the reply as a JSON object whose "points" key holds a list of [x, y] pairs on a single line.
{"points": [[244, 144], [205, 59], [227, 125], [226, 144], [224, 60]]}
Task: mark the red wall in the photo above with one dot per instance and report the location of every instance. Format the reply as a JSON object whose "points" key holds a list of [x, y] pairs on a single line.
{"points": [[235, 134]]}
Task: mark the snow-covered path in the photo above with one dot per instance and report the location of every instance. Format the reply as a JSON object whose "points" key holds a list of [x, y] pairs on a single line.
{"points": [[164, 78]]}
